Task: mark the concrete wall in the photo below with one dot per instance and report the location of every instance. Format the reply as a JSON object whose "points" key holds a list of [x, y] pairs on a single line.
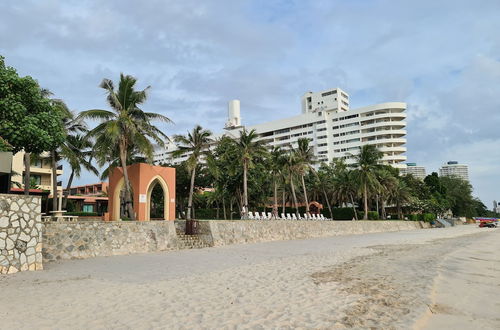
{"points": [[88, 239], [251, 231], [20, 233]]}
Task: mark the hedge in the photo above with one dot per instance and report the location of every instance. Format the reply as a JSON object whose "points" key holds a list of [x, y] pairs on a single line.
{"points": [[83, 214], [372, 215]]}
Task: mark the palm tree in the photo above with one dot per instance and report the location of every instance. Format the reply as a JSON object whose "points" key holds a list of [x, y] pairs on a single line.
{"points": [[77, 152], [277, 165], [292, 164], [388, 183], [345, 188], [367, 165], [305, 158], [124, 127], [400, 195], [249, 148], [195, 143]]}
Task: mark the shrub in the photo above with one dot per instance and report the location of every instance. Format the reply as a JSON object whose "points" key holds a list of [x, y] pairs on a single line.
{"points": [[373, 215], [342, 213]]}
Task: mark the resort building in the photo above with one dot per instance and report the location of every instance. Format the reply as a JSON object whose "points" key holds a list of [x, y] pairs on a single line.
{"points": [[40, 171], [335, 130], [453, 168], [91, 198], [413, 169]]}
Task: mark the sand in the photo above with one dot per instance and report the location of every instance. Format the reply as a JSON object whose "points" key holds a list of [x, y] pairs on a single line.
{"points": [[384, 280]]}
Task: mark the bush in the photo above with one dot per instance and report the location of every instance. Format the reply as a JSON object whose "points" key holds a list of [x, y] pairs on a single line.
{"points": [[372, 215], [429, 217], [342, 213]]}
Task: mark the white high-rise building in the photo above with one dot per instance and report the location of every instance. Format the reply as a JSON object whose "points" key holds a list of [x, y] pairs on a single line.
{"points": [[335, 130], [413, 169], [453, 168]]}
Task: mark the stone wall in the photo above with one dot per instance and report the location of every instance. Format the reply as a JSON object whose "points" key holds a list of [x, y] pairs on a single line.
{"points": [[251, 231], [86, 239], [20, 233]]}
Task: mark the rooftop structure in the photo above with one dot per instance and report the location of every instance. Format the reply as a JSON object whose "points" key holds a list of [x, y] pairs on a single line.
{"points": [[335, 130], [453, 168]]}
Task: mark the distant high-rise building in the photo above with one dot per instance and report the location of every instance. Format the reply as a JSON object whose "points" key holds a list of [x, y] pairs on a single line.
{"points": [[496, 207], [413, 169], [453, 168]]}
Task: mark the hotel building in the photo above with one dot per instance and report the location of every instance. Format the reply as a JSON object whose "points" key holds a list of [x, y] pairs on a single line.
{"points": [[335, 130], [413, 169], [40, 170], [453, 168]]}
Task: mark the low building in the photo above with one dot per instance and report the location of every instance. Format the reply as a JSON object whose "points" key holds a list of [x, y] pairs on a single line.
{"points": [[90, 198], [40, 171], [453, 168], [413, 169]]}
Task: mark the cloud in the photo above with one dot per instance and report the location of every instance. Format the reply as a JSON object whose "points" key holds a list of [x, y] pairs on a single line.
{"points": [[441, 57]]}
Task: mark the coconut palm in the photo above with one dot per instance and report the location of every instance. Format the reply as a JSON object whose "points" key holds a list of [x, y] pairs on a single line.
{"points": [[249, 148], [292, 165], [305, 158], [400, 195], [366, 166], [345, 188], [277, 167], [195, 143], [388, 183], [125, 126], [77, 152]]}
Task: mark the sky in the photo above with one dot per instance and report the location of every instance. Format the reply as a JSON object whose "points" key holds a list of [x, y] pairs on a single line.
{"points": [[440, 57]]}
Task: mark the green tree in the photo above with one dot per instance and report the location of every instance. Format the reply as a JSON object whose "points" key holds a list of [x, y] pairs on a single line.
{"points": [[366, 167], [124, 128], [249, 148], [388, 184], [399, 196], [28, 120], [195, 143], [277, 167]]}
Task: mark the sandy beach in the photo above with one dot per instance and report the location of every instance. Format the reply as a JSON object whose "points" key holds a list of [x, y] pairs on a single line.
{"points": [[387, 280]]}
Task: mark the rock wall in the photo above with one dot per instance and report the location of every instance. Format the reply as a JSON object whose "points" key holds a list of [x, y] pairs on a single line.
{"points": [[20, 233], [251, 231], [78, 240]]}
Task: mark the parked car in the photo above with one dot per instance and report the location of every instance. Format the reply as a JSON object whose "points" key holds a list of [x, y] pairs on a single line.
{"points": [[487, 224]]}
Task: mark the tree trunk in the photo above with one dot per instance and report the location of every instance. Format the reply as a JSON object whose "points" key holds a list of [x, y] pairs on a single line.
{"points": [[224, 207], [353, 207], [54, 180], [67, 192], [382, 208], [305, 194], [27, 165], [275, 205], [328, 204], [294, 197], [365, 199], [283, 206], [244, 209], [191, 189], [400, 213], [128, 196]]}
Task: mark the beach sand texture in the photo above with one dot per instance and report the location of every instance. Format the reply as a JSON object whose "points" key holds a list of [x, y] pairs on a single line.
{"points": [[382, 280]]}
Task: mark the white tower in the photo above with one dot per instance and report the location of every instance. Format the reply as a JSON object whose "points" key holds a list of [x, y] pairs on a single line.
{"points": [[233, 114]]}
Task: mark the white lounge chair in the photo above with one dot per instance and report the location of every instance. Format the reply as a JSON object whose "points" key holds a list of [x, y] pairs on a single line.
{"points": [[250, 215], [263, 216], [305, 217], [294, 217], [270, 216], [288, 216], [322, 217], [314, 216], [283, 217]]}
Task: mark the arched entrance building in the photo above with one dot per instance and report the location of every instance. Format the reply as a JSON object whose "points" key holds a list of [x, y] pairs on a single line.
{"points": [[143, 179]]}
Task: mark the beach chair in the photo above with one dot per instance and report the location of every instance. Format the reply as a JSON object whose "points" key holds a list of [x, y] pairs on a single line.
{"points": [[322, 217], [294, 217], [314, 216], [288, 216], [270, 216], [251, 216], [283, 216], [306, 217], [263, 216]]}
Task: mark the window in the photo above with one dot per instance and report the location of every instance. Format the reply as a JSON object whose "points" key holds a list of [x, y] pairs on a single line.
{"points": [[36, 163], [322, 152], [286, 130], [322, 144], [37, 179], [322, 137], [88, 208], [329, 93], [321, 129]]}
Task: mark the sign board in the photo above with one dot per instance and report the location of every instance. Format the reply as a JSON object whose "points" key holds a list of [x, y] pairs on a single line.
{"points": [[142, 198]]}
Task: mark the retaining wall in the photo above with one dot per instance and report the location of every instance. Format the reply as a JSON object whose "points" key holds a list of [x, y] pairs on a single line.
{"points": [[20, 233], [92, 239], [252, 231], [87, 239]]}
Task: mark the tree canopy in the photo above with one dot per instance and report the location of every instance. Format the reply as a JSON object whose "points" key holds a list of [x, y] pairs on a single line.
{"points": [[28, 120]]}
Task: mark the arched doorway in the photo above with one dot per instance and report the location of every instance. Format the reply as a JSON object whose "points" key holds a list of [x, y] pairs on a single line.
{"points": [[156, 184]]}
